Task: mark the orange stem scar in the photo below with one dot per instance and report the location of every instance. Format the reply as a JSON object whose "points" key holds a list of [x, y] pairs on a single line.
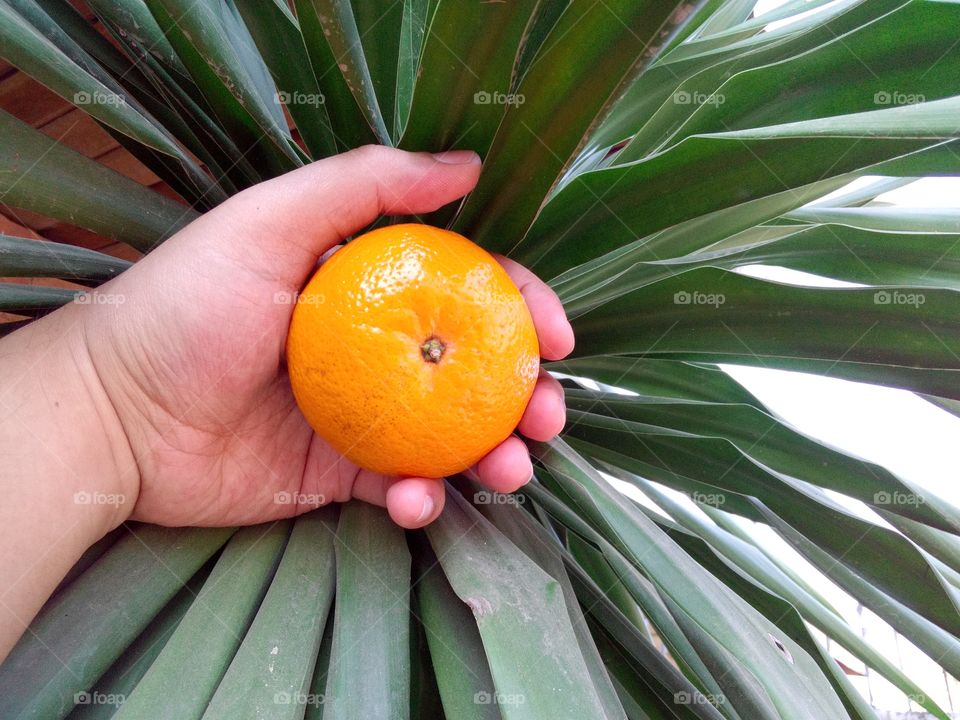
{"points": [[432, 349]]}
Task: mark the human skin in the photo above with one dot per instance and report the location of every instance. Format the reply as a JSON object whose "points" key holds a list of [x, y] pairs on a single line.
{"points": [[171, 403]]}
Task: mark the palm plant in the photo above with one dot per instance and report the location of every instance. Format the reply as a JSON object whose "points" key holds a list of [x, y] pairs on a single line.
{"points": [[637, 153]]}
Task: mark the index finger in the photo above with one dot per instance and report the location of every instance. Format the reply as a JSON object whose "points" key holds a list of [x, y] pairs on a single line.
{"points": [[549, 318]]}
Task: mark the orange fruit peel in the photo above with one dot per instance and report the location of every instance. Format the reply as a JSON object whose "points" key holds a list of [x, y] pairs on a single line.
{"points": [[411, 352]]}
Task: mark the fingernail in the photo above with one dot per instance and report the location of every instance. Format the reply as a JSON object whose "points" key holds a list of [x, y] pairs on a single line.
{"points": [[427, 509], [456, 157]]}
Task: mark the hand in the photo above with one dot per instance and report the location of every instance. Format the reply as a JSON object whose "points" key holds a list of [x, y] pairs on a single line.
{"points": [[192, 360]]}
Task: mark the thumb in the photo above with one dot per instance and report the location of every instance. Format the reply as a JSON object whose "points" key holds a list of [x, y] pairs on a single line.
{"points": [[280, 227]]}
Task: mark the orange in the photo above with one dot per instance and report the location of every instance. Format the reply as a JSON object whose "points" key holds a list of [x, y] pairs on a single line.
{"points": [[412, 352]]}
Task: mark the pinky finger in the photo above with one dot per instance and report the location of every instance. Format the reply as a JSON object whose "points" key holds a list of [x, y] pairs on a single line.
{"points": [[415, 502], [412, 502]]}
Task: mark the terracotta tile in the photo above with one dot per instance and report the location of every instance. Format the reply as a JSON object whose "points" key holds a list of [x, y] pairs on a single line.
{"points": [[32, 220], [61, 232], [122, 251], [9, 226], [80, 132], [126, 164], [26, 99]]}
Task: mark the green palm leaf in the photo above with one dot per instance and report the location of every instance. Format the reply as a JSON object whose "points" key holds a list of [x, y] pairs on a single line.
{"points": [[639, 155]]}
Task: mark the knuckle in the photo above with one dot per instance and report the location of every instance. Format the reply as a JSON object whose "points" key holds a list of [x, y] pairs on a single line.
{"points": [[370, 153]]}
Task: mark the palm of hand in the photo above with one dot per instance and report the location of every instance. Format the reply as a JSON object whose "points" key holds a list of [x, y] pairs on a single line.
{"points": [[221, 437], [193, 361]]}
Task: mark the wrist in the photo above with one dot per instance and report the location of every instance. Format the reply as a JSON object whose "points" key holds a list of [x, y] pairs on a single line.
{"points": [[68, 476], [61, 432]]}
